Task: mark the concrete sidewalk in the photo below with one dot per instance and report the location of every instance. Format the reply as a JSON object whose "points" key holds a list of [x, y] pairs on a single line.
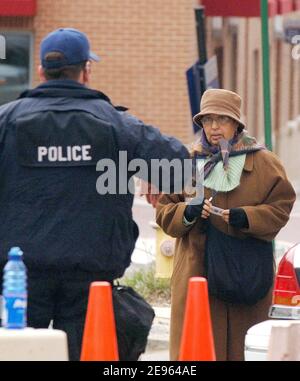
{"points": [[158, 340]]}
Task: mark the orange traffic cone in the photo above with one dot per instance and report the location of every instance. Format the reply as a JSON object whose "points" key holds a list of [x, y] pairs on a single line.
{"points": [[99, 338], [197, 343]]}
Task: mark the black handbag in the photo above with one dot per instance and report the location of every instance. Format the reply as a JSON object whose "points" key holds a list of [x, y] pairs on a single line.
{"points": [[238, 271], [134, 317]]}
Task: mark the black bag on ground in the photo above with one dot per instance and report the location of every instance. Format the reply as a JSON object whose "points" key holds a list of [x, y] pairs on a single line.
{"points": [[238, 271], [134, 317]]}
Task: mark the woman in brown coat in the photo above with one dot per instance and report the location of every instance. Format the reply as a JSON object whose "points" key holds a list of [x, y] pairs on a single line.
{"points": [[250, 184]]}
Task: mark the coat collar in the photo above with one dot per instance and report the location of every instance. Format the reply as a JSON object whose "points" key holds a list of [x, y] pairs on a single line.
{"points": [[64, 87], [67, 88]]}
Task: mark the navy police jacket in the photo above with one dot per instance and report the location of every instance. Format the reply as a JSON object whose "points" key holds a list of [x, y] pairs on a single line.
{"points": [[51, 142]]}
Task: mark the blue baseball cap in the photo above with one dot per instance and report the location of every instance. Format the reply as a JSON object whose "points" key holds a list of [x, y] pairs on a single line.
{"points": [[72, 43]]}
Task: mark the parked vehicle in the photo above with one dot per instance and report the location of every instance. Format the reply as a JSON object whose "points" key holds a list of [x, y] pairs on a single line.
{"points": [[285, 306]]}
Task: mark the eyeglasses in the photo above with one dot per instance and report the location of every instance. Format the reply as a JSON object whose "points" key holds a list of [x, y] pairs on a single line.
{"points": [[221, 120]]}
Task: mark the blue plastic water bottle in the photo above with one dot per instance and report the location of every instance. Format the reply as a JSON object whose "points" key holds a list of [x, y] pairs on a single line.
{"points": [[14, 292]]}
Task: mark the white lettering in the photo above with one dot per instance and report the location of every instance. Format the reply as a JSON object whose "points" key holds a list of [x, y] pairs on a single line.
{"points": [[124, 371], [42, 151], [74, 154], [63, 154], [69, 153], [60, 155], [52, 153], [85, 153], [20, 303]]}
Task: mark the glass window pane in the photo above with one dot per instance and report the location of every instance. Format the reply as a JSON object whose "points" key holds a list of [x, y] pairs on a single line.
{"points": [[14, 70]]}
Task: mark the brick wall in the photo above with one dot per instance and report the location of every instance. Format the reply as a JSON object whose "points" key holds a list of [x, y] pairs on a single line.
{"points": [[145, 45], [16, 23]]}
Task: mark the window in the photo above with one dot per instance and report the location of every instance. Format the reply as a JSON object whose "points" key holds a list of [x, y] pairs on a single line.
{"points": [[15, 68]]}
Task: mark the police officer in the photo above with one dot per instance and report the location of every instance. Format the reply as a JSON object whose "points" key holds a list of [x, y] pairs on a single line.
{"points": [[51, 141]]}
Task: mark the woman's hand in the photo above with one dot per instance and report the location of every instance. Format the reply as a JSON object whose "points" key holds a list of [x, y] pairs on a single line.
{"points": [[206, 209], [225, 215], [236, 217]]}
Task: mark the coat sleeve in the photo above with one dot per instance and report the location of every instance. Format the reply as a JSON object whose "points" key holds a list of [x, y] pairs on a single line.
{"points": [[268, 218], [169, 215], [146, 143]]}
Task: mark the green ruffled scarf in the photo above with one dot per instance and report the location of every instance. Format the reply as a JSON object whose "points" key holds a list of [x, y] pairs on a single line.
{"points": [[223, 166]]}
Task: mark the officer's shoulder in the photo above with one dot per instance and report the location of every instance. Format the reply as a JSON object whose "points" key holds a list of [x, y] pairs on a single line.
{"points": [[7, 108], [108, 108], [121, 113]]}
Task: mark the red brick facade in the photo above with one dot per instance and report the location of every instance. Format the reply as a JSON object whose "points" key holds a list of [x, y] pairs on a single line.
{"points": [[146, 47]]}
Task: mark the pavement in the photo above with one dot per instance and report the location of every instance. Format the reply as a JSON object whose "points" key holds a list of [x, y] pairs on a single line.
{"points": [[158, 339]]}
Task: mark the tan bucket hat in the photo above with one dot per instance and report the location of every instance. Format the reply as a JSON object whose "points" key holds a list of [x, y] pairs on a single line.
{"points": [[220, 102]]}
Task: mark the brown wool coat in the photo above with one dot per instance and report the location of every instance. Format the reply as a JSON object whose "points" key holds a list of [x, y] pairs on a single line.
{"points": [[267, 198]]}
